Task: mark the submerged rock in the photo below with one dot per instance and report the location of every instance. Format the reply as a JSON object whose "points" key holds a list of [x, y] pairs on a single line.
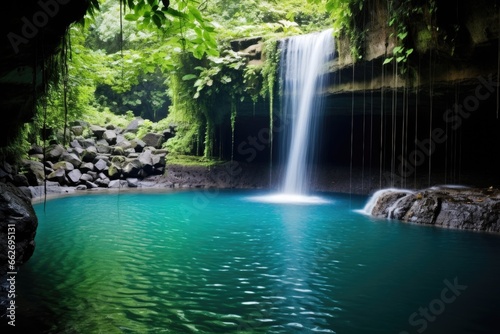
{"points": [[461, 208]]}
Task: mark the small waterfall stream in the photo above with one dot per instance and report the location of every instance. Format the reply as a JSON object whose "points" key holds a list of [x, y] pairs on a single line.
{"points": [[302, 66]]}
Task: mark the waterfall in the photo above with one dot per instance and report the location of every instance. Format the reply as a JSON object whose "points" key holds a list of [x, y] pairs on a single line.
{"points": [[303, 62]]}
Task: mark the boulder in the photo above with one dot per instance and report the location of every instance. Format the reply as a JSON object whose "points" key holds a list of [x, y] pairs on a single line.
{"points": [[104, 148], [103, 182], [118, 150], [77, 130], [137, 144], [72, 158], [132, 168], [86, 167], [153, 139], [74, 176], [89, 154], [34, 172], [118, 184], [110, 136], [75, 143], [134, 125], [146, 160], [133, 182], [91, 185], [86, 178], [59, 176], [20, 180], [35, 149], [67, 166], [54, 152], [100, 165], [114, 171], [98, 131]]}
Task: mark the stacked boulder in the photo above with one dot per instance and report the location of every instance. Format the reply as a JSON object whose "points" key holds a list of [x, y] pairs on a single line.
{"points": [[100, 159]]}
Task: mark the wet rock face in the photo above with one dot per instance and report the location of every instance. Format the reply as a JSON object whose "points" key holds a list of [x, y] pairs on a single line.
{"points": [[18, 219], [16, 209], [463, 208]]}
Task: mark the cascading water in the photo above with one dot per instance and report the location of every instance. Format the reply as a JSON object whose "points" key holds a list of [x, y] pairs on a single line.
{"points": [[303, 63]]}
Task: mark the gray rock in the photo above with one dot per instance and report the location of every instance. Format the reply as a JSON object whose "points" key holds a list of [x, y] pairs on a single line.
{"points": [[153, 139], [461, 208], [72, 158], [89, 154], [118, 150], [67, 166], [59, 176], [81, 187], [146, 160], [86, 178], [98, 131], [20, 180], [75, 143], [91, 185], [74, 176], [54, 152], [134, 125], [109, 136], [137, 144], [35, 149], [34, 172], [100, 165], [104, 148], [132, 168], [86, 167], [114, 171], [77, 130], [103, 182], [133, 182], [85, 143], [15, 208], [118, 184]]}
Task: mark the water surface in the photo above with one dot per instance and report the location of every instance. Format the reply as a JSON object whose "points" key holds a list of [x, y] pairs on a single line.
{"points": [[221, 262]]}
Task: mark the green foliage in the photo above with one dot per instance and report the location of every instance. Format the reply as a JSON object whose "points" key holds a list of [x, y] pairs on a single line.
{"points": [[345, 14], [181, 21], [189, 160]]}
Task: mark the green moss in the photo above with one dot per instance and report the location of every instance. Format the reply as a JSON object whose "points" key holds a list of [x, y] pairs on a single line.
{"points": [[190, 160]]}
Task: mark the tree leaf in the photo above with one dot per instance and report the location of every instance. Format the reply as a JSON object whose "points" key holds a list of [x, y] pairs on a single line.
{"points": [[387, 60], [131, 17], [189, 77]]}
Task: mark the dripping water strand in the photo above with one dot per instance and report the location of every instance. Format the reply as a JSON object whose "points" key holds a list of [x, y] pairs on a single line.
{"points": [[352, 131], [381, 155], [430, 113], [64, 70], [364, 134], [371, 124], [44, 137]]}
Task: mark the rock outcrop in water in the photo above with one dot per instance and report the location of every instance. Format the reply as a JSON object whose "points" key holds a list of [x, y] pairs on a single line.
{"points": [[461, 208]]}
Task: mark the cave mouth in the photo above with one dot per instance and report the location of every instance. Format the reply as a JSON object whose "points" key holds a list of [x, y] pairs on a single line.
{"points": [[211, 261]]}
